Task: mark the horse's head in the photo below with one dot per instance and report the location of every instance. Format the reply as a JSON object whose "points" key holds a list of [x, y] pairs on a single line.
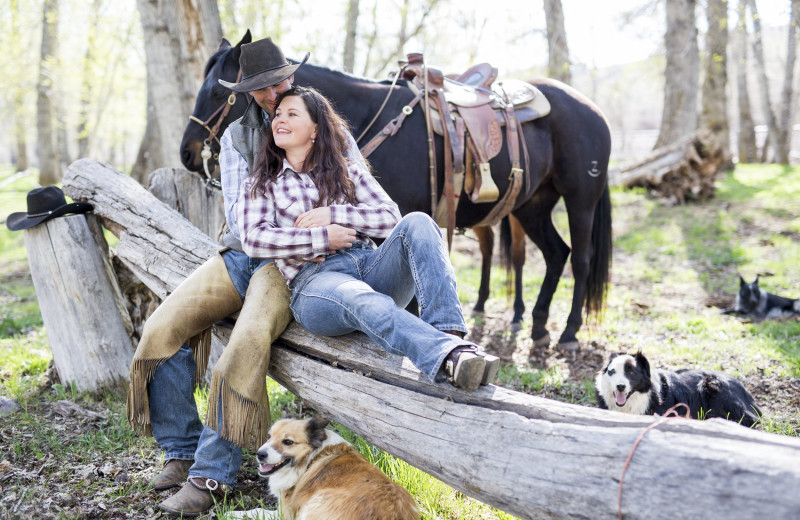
{"points": [[210, 108]]}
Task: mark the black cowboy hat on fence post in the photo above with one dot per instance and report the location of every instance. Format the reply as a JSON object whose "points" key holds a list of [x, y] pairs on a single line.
{"points": [[43, 204], [263, 65]]}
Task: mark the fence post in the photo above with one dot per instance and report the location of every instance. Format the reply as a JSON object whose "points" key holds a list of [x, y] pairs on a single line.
{"points": [[87, 324]]}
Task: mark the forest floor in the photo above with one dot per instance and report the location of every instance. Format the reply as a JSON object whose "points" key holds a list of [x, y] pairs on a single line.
{"points": [[65, 455]]}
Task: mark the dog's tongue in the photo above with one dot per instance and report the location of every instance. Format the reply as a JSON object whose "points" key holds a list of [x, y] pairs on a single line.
{"points": [[621, 398], [266, 468]]}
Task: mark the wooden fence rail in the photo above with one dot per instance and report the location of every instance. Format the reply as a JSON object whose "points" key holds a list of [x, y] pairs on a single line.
{"points": [[531, 457]]}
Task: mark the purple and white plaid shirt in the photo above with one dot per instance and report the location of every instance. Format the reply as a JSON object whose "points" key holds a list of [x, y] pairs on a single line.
{"points": [[266, 223]]}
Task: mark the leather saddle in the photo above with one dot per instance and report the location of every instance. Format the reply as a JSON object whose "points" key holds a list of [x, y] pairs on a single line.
{"points": [[470, 111]]}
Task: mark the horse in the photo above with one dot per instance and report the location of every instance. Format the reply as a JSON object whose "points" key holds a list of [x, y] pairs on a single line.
{"points": [[569, 151]]}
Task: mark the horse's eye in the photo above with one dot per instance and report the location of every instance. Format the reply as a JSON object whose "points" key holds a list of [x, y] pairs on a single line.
{"points": [[288, 442]]}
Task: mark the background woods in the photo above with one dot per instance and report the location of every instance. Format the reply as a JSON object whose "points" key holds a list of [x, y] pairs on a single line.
{"points": [[116, 80]]}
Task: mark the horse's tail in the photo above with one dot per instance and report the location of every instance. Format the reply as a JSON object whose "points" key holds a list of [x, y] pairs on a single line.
{"points": [[505, 251], [600, 264]]}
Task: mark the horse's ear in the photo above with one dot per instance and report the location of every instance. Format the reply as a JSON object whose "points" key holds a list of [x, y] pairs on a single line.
{"points": [[247, 38], [224, 44]]}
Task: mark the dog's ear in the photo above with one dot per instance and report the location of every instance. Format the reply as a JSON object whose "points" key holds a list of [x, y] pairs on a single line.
{"points": [[742, 283], [316, 430], [610, 359], [642, 363], [755, 282]]}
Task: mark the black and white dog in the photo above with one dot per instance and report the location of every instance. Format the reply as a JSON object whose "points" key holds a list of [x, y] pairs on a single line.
{"points": [[628, 385], [754, 302]]}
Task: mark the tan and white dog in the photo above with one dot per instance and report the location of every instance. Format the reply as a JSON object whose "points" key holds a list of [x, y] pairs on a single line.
{"points": [[316, 474]]}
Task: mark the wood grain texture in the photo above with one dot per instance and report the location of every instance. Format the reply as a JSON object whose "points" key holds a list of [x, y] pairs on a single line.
{"points": [[80, 302]]}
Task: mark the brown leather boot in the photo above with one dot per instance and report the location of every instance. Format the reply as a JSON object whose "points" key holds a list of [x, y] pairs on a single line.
{"points": [[492, 362], [197, 496], [173, 475], [464, 368]]}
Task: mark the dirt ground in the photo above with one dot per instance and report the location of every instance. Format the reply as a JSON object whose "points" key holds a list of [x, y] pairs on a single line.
{"points": [[776, 395]]}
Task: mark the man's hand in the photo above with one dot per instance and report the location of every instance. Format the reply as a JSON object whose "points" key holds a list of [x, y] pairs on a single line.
{"points": [[340, 237], [317, 217]]}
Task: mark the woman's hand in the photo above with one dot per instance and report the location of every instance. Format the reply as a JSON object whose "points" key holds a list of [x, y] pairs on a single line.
{"points": [[340, 237], [316, 217]]}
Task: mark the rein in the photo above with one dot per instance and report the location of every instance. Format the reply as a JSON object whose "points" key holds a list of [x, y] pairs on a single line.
{"points": [[386, 100], [222, 111]]}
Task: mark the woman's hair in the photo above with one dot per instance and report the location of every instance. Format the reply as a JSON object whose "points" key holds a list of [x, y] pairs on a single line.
{"points": [[326, 162]]}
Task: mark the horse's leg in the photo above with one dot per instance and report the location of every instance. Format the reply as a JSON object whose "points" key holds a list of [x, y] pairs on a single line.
{"points": [[580, 228], [535, 218], [518, 261], [485, 236]]}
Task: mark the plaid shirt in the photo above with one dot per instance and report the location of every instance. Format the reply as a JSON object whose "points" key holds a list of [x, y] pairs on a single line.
{"points": [[235, 171], [266, 223]]}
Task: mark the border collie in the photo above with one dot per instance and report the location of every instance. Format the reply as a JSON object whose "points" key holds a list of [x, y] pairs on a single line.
{"points": [[627, 384], [754, 302]]}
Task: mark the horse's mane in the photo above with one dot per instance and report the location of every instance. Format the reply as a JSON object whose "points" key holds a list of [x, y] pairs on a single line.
{"points": [[347, 75], [215, 58]]}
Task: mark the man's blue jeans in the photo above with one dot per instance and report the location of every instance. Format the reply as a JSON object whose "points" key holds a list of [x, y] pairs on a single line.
{"points": [[173, 413], [367, 289]]}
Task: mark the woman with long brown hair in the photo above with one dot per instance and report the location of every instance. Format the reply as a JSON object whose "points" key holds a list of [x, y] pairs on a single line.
{"points": [[316, 213]]}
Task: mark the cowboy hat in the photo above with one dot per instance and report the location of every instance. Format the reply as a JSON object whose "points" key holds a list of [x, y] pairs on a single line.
{"points": [[263, 65], [43, 204]]}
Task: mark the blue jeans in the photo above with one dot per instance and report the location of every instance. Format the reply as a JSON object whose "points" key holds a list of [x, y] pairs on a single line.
{"points": [[367, 289], [173, 413]]}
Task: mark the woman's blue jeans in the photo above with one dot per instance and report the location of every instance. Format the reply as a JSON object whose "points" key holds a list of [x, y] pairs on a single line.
{"points": [[368, 289], [173, 413]]}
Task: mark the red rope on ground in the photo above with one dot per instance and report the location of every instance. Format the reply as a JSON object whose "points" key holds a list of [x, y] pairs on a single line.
{"points": [[670, 414]]}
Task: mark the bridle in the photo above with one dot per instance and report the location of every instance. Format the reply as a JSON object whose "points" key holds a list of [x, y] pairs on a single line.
{"points": [[222, 112]]}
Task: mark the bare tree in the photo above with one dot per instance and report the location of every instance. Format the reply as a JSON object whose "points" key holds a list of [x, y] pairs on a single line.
{"points": [[747, 134], [773, 130], [350, 36], [18, 93], [679, 116], [179, 37], [87, 93], [558, 64], [49, 172], [787, 93], [714, 112]]}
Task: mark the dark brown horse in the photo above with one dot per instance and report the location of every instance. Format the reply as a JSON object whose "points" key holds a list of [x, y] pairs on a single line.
{"points": [[569, 151]]}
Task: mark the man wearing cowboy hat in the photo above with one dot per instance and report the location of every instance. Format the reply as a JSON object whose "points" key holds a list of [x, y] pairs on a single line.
{"points": [[172, 355]]}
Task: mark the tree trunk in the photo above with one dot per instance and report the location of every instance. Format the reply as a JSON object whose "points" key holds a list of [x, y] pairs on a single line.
{"points": [[558, 64], [679, 117], [714, 113], [773, 132], [179, 37], [49, 172], [350, 36], [87, 94], [787, 94], [529, 456], [747, 134]]}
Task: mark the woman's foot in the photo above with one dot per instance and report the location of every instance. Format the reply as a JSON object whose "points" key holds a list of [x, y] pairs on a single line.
{"points": [[492, 362], [466, 368]]}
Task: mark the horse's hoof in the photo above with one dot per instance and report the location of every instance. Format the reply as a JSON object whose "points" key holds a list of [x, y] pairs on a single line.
{"points": [[516, 327], [477, 314], [568, 347], [544, 341]]}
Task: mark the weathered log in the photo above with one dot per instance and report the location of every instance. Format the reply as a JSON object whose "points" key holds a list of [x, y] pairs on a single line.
{"points": [[87, 325], [532, 457], [187, 193], [681, 171]]}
